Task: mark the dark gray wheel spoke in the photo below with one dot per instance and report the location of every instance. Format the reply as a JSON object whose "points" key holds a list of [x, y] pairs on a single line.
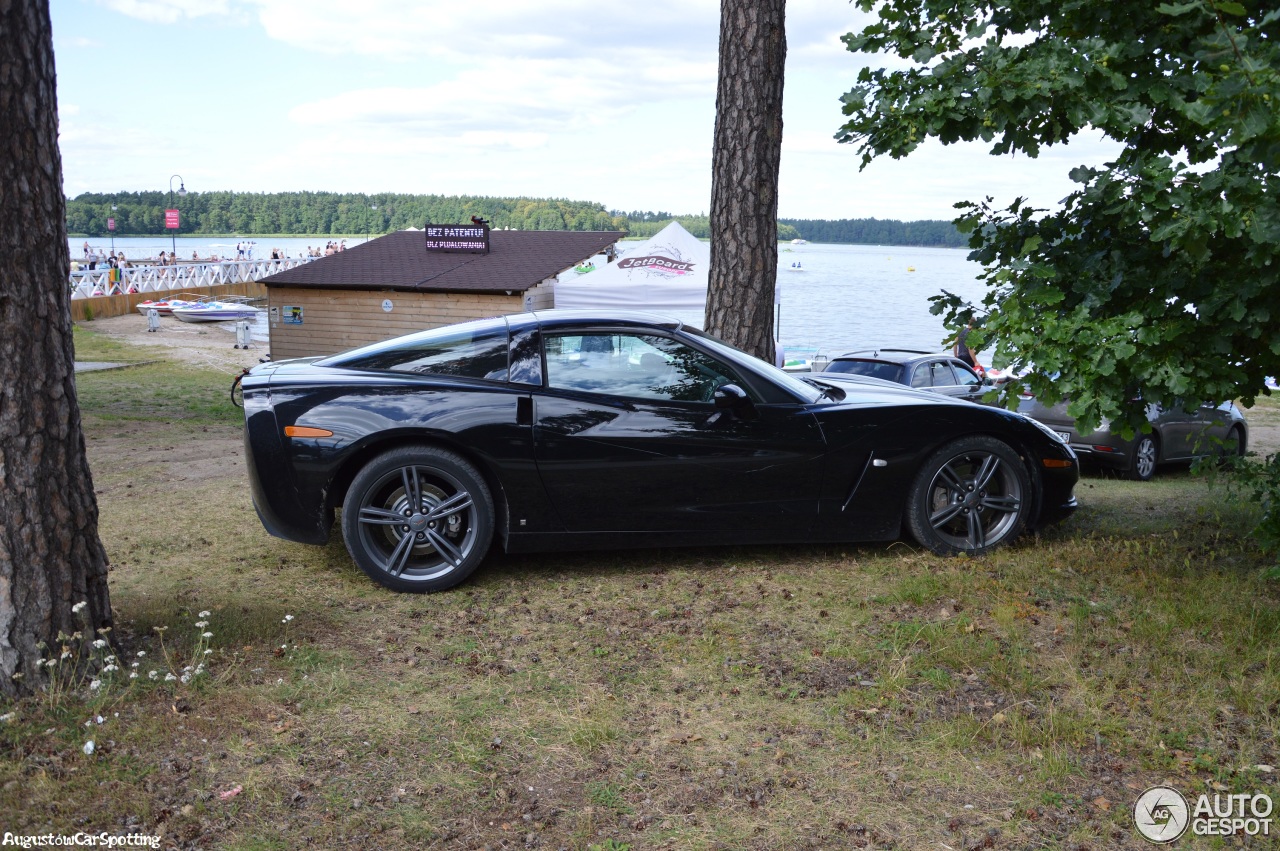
{"points": [[944, 516], [977, 532], [1006, 504], [989, 466], [951, 479], [444, 546], [400, 556], [380, 517], [458, 502], [412, 492]]}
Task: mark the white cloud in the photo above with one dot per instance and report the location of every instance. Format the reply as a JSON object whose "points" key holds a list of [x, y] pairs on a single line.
{"points": [[166, 11]]}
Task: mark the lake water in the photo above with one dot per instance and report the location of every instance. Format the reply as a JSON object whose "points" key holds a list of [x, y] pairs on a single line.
{"points": [[842, 298]]}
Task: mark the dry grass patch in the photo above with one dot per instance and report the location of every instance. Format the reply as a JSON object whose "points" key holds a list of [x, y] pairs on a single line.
{"points": [[765, 697]]}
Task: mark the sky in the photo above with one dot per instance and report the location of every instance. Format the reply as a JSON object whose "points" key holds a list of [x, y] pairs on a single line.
{"points": [[587, 100]]}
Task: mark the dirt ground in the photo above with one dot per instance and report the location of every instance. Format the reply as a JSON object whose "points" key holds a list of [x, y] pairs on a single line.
{"points": [[207, 344]]}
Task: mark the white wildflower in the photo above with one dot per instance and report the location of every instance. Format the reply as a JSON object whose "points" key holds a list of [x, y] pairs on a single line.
{"points": [[141, 653], [168, 678], [7, 717], [66, 654], [94, 685], [106, 669], [88, 748], [79, 607], [205, 613], [135, 664], [202, 624], [110, 660], [99, 719], [99, 643], [207, 651], [287, 618], [133, 675], [153, 675], [186, 678], [206, 635]]}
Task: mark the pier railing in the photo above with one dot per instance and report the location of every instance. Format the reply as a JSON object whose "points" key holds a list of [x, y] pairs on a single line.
{"points": [[183, 276]]}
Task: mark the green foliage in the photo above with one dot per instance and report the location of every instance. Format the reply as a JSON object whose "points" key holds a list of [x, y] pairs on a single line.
{"points": [[141, 213], [1159, 274], [931, 234]]}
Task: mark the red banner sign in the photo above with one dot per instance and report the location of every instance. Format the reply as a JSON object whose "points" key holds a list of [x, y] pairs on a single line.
{"points": [[171, 219], [111, 224]]}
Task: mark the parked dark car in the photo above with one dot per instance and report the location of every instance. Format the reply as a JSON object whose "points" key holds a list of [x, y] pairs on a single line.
{"points": [[1176, 434], [570, 429], [940, 373]]}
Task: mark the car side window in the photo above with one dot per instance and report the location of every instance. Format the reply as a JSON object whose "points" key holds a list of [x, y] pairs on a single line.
{"points": [[636, 366], [461, 351], [921, 377], [966, 376], [941, 375]]}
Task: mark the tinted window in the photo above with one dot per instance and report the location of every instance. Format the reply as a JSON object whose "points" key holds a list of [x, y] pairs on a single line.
{"points": [[965, 375], [470, 350], [634, 366], [872, 368], [940, 374]]}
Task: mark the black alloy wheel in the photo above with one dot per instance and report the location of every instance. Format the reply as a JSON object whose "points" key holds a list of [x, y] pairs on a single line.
{"points": [[972, 495], [418, 519]]}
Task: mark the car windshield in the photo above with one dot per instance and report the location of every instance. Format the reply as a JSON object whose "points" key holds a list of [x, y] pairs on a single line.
{"points": [[870, 368], [808, 393]]}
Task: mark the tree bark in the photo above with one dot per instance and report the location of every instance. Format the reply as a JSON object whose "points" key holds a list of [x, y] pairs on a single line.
{"points": [[50, 555], [744, 182]]}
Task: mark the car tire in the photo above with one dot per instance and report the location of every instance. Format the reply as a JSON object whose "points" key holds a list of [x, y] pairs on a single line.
{"points": [[1144, 458], [970, 496], [428, 542], [1233, 446]]}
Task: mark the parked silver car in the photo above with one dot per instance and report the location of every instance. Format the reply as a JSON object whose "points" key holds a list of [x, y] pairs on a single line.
{"points": [[1176, 435]]}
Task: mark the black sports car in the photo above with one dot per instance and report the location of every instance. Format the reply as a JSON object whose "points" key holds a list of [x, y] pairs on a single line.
{"points": [[572, 430]]}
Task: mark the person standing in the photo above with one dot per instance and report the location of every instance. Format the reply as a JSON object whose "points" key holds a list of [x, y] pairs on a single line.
{"points": [[962, 349]]}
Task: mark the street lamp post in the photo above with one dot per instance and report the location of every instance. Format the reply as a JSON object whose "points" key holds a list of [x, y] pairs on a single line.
{"points": [[369, 232], [182, 193]]}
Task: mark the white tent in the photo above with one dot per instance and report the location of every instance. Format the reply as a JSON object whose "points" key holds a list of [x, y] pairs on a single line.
{"points": [[666, 275]]}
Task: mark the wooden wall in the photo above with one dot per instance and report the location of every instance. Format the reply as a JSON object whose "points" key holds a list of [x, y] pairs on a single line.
{"points": [[103, 306], [337, 320]]}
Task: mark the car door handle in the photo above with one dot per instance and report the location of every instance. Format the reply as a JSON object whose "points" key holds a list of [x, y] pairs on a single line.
{"points": [[524, 411]]}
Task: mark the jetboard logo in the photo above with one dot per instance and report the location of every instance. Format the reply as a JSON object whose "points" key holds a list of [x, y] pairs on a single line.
{"points": [[657, 263], [1162, 815]]}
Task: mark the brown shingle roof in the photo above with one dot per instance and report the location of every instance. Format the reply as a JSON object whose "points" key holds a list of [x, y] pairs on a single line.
{"points": [[517, 260]]}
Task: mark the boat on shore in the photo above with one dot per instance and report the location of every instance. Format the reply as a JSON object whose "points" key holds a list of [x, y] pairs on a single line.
{"points": [[226, 310]]}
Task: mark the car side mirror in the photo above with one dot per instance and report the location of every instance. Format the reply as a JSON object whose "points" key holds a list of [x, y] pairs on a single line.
{"points": [[732, 398]]}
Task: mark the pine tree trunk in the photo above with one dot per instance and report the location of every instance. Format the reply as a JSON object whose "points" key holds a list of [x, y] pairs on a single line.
{"points": [[744, 182], [50, 555]]}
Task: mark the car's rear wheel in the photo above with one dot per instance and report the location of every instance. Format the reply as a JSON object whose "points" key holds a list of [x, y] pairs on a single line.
{"points": [[1145, 456], [970, 496], [418, 519], [1233, 446]]}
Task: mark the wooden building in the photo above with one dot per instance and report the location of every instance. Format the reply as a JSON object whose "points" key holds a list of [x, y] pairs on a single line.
{"points": [[394, 285]]}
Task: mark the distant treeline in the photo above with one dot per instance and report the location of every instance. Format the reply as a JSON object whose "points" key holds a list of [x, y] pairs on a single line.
{"points": [[322, 213], [929, 233], [328, 213]]}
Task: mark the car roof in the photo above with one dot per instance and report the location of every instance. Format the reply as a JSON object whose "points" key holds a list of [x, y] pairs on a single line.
{"points": [[898, 356], [575, 316]]}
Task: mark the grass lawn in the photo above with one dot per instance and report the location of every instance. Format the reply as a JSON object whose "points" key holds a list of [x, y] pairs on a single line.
{"points": [[748, 698]]}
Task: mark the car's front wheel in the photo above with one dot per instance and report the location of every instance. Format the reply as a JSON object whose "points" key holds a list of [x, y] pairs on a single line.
{"points": [[970, 496], [418, 519]]}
